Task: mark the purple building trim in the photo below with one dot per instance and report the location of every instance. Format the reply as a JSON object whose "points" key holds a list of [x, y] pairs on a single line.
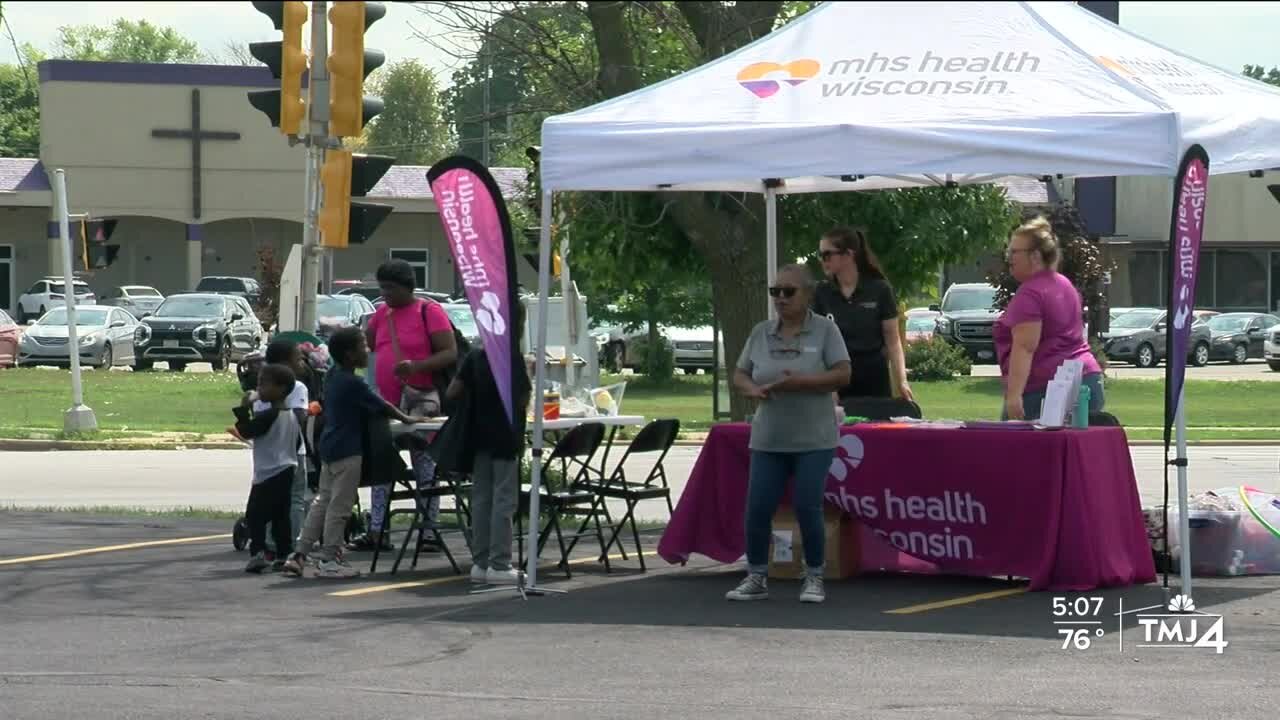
{"points": [[248, 76], [195, 233]]}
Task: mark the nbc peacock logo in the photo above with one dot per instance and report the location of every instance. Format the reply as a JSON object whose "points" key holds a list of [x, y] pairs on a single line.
{"points": [[765, 79]]}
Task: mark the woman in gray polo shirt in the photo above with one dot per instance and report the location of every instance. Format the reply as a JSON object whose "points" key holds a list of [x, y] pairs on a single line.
{"points": [[791, 365]]}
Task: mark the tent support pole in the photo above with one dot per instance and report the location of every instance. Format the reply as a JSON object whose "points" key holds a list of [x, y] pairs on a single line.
{"points": [[1184, 517], [771, 237], [530, 583]]}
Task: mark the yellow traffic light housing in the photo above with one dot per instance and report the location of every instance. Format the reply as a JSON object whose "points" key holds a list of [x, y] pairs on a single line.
{"points": [[287, 61], [349, 63], [344, 176]]}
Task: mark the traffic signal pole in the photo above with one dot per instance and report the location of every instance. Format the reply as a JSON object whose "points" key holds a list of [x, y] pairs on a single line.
{"points": [[317, 140]]}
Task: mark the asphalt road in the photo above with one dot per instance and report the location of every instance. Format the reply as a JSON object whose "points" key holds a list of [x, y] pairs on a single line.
{"points": [[179, 631], [219, 479]]}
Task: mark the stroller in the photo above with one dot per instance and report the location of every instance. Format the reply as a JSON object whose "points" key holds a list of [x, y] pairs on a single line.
{"points": [[317, 357]]}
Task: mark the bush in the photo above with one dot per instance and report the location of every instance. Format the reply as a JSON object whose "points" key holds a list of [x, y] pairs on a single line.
{"points": [[936, 359], [657, 362]]}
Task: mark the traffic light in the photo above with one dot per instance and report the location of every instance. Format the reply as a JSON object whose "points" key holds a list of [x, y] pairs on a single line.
{"points": [[349, 64], [287, 61], [344, 176], [95, 253]]}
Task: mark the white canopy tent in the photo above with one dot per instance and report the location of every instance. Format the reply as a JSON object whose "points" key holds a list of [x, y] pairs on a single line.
{"points": [[874, 95]]}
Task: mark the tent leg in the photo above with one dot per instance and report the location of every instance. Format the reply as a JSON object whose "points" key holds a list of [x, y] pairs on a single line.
{"points": [[771, 238], [530, 584], [1184, 518]]}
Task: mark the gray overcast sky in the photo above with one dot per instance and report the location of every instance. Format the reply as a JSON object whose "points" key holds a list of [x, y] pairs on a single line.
{"points": [[1227, 34]]}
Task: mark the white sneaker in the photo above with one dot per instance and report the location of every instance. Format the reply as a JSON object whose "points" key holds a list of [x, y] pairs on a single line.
{"points": [[813, 590], [336, 569], [755, 587], [478, 575], [510, 576]]}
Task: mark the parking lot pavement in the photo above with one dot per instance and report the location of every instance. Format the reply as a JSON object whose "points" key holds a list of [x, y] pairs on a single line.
{"points": [[178, 630], [219, 479], [1252, 370]]}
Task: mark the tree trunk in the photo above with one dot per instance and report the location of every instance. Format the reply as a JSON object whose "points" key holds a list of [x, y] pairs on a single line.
{"points": [[728, 230]]}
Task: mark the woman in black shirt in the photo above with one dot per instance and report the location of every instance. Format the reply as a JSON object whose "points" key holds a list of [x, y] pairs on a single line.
{"points": [[861, 303]]}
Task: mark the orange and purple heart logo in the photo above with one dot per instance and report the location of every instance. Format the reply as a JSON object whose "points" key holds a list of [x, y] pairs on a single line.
{"points": [[766, 78]]}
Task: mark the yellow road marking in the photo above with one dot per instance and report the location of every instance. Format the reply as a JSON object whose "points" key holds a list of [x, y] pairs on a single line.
{"points": [[953, 602], [111, 548], [452, 578]]}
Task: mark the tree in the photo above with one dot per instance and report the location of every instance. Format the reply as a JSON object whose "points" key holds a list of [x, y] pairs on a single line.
{"points": [[410, 129], [1081, 262], [20, 107], [125, 41], [1271, 77], [558, 57]]}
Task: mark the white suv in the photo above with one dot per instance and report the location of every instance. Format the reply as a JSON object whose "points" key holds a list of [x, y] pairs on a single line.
{"points": [[1271, 347], [49, 294]]}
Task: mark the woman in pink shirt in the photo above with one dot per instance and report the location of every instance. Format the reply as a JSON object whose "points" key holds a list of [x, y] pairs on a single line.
{"points": [[412, 339], [1042, 326]]}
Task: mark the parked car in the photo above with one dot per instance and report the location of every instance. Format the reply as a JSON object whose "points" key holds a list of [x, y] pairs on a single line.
{"points": [[334, 312], [10, 333], [1271, 348], [48, 294], [966, 318], [1239, 336], [139, 300], [692, 348], [198, 327], [465, 321], [1139, 336], [921, 326], [106, 336], [369, 291], [244, 287]]}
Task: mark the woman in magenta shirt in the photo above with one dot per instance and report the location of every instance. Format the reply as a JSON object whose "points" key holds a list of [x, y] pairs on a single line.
{"points": [[412, 339], [1042, 326]]}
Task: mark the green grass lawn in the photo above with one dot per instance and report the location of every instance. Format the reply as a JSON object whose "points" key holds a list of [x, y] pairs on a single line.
{"points": [[33, 400]]}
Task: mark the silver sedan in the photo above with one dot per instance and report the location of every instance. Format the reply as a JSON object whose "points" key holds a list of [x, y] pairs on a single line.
{"points": [[105, 335]]}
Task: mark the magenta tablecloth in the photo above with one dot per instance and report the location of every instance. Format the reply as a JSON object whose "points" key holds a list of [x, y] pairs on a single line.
{"points": [[1058, 507]]}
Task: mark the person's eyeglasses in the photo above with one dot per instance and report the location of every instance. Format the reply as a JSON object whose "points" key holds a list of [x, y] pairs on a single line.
{"points": [[1010, 252], [828, 254], [782, 291]]}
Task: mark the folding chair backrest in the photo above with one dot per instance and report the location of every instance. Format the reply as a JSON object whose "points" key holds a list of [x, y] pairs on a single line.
{"points": [[657, 436], [878, 408], [580, 442], [1103, 419]]}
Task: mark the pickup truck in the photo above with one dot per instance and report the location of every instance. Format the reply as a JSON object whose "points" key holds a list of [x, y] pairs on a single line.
{"points": [[966, 319]]}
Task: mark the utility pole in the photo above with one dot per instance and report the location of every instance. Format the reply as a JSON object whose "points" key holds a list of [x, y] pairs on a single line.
{"points": [[80, 417], [317, 139]]}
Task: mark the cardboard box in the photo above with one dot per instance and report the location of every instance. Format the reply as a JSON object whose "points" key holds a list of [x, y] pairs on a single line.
{"points": [[786, 549]]}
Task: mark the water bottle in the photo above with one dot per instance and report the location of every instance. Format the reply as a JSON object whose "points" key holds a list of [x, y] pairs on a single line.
{"points": [[1081, 415]]}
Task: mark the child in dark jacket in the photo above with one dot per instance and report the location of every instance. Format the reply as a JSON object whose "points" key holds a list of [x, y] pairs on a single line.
{"points": [[275, 433]]}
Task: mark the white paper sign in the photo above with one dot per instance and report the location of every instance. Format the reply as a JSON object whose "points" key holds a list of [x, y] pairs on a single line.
{"points": [[782, 551]]}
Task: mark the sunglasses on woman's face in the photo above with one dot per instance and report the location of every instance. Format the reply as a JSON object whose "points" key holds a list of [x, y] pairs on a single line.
{"points": [[828, 254], [782, 291]]}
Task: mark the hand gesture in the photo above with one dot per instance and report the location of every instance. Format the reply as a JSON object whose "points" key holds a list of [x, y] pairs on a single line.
{"points": [[1013, 408], [905, 389], [404, 369], [757, 392]]}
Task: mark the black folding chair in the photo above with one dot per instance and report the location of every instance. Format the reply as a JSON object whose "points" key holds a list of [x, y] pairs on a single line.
{"points": [[573, 495], [880, 408], [1103, 419], [406, 488], [656, 437]]}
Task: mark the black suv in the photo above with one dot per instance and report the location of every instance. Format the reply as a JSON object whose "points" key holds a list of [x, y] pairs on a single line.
{"points": [[246, 288], [217, 329], [967, 319]]}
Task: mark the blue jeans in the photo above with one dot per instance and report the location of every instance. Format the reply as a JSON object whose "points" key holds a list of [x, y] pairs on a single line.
{"points": [[768, 483], [1032, 401]]}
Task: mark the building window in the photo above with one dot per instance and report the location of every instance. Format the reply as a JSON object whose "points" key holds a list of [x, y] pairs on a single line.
{"points": [[1242, 279], [1206, 279], [419, 260], [1145, 279], [1275, 282]]}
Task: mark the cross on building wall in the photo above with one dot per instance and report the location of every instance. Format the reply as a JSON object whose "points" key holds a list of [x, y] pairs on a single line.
{"points": [[197, 136]]}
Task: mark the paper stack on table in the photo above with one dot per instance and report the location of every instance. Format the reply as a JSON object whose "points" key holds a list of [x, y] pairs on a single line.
{"points": [[1060, 396]]}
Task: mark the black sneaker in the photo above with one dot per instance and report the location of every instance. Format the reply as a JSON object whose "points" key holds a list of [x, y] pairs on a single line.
{"points": [[366, 543], [293, 566], [257, 564]]}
